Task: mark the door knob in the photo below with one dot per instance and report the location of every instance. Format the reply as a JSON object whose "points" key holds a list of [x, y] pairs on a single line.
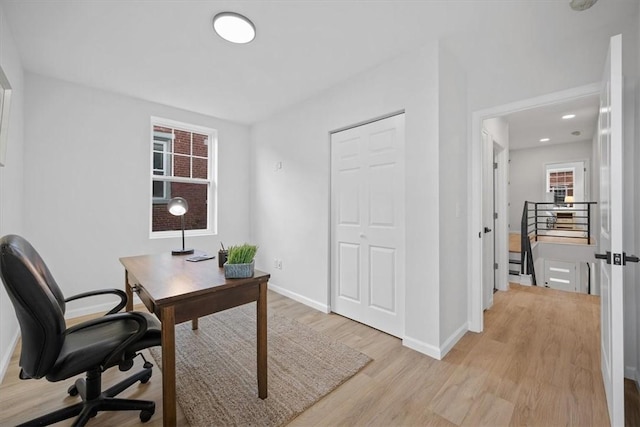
{"points": [[618, 260], [487, 230]]}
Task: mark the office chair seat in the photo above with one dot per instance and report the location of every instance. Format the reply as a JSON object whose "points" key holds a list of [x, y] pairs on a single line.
{"points": [[51, 350], [88, 346]]}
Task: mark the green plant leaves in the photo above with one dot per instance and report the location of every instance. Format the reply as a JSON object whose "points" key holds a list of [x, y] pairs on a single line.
{"points": [[241, 254]]}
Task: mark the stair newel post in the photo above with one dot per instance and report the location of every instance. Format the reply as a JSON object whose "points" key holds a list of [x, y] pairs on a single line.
{"points": [[523, 235], [536, 212], [588, 222]]}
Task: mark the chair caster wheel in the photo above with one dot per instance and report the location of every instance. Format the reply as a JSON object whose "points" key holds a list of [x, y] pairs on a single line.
{"points": [[125, 365], [146, 415], [73, 390], [145, 380]]}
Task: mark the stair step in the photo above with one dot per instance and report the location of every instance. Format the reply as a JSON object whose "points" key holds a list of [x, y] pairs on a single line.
{"points": [[515, 261], [514, 272]]}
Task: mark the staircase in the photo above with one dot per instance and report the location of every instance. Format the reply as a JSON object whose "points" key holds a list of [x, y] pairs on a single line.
{"points": [[515, 258]]}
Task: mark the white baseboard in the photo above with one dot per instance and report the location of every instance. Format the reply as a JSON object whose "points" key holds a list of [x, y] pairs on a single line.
{"points": [[6, 358], [423, 347], [299, 298], [433, 351], [453, 339], [632, 373]]}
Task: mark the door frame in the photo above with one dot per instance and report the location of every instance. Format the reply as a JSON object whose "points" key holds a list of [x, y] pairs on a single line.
{"points": [[474, 163]]}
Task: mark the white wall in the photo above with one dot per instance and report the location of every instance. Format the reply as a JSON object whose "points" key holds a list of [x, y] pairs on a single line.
{"points": [[527, 173], [87, 182], [11, 180], [452, 113], [291, 205]]}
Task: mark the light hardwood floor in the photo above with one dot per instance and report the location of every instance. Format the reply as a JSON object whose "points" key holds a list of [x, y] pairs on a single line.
{"points": [[537, 363]]}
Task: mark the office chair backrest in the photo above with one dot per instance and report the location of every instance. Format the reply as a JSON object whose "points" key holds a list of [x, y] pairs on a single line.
{"points": [[38, 302]]}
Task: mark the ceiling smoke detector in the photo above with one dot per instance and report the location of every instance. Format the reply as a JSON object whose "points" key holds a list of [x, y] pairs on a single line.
{"points": [[581, 5], [576, 133]]}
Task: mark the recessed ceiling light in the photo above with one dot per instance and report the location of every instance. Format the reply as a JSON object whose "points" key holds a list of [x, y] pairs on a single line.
{"points": [[568, 116], [545, 140], [234, 27]]}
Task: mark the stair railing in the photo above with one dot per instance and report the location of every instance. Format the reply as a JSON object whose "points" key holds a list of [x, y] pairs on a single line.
{"points": [[567, 220], [540, 217]]}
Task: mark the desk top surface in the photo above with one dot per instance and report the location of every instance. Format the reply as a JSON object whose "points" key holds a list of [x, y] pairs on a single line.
{"points": [[167, 277]]}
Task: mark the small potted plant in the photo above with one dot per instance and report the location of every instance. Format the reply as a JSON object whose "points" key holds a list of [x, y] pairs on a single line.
{"points": [[240, 261]]}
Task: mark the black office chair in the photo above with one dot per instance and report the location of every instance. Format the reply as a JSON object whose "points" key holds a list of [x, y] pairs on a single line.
{"points": [[51, 350]]}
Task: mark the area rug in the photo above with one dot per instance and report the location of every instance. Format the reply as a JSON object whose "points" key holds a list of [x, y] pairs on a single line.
{"points": [[216, 380]]}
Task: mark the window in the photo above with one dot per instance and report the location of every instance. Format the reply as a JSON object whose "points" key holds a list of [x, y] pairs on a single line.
{"points": [[182, 165], [560, 184]]}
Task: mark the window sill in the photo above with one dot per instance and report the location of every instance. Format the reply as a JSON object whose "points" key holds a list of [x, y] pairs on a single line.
{"points": [[178, 233]]}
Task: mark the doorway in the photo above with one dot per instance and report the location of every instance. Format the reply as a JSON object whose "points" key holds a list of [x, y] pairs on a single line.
{"points": [[476, 220]]}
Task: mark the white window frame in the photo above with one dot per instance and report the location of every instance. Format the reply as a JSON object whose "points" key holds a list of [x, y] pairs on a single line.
{"points": [[551, 170], [166, 169], [211, 181]]}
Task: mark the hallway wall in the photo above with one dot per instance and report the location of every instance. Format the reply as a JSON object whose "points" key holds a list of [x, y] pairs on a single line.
{"points": [[527, 174]]}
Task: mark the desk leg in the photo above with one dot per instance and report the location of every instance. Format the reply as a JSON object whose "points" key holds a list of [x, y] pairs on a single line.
{"points": [[128, 291], [262, 341], [167, 317], [194, 324]]}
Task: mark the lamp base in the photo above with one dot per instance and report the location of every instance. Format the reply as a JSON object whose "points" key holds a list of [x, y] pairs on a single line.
{"points": [[181, 251]]}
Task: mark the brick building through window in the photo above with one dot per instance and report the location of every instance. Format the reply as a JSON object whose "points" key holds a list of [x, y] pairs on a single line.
{"points": [[560, 183], [181, 157]]}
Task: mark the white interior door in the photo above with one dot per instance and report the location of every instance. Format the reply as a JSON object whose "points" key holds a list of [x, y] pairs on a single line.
{"points": [[488, 241], [611, 234], [367, 224]]}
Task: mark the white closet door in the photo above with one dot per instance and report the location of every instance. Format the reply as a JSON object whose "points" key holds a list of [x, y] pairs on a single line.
{"points": [[367, 224]]}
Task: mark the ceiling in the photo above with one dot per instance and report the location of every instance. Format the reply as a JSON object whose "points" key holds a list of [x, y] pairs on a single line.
{"points": [[165, 51], [527, 127]]}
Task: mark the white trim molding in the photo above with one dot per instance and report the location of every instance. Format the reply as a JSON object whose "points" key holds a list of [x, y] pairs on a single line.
{"points": [[299, 298]]}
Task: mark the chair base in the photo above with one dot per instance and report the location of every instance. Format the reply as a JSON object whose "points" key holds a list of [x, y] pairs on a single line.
{"points": [[94, 401]]}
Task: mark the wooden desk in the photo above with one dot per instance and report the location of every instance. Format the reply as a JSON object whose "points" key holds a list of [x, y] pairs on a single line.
{"points": [[176, 291]]}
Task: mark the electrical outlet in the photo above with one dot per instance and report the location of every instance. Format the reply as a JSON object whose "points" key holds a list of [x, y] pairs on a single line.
{"points": [[279, 264], [275, 263]]}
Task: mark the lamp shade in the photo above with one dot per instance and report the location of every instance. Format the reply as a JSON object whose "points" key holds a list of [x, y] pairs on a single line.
{"points": [[177, 206], [568, 199]]}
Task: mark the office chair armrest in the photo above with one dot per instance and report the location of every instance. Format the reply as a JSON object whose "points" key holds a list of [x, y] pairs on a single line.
{"points": [[118, 292], [117, 353]]}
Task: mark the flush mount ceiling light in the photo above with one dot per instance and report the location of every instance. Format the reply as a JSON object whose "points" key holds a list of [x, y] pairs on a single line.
{"points": [[234, 27], [568, 116], [580, 5], [545, 140]]}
